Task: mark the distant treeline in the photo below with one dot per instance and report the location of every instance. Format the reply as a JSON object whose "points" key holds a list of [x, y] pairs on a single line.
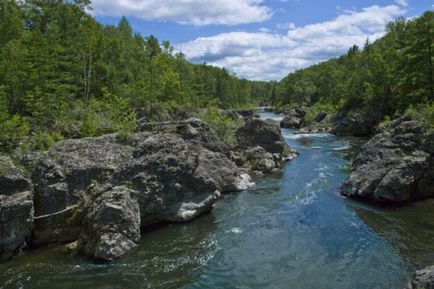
{"points": [[387, 77], [63, 74]]}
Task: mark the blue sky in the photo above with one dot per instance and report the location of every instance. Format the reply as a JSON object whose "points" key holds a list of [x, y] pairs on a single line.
{"points": [[261, 40]]}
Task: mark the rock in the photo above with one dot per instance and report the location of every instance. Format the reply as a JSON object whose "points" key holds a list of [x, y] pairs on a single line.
{"points": [[111, 227], [175, 175], [354, 124], [264, 133], [261, 146], [16, 223], [293, 119], [12, 179], [290, 122], [320, 116], [423, 279], [394, 166], [259, 159]]}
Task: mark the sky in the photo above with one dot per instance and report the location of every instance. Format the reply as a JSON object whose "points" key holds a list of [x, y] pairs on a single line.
{"points": [[260, 39]]}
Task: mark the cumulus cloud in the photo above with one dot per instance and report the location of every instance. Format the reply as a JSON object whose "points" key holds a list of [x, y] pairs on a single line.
{"points": [[196, 12], [269, 56]]}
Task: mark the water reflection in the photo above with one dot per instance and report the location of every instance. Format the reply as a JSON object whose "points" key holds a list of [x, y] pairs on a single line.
{"points": [[409, 229]]}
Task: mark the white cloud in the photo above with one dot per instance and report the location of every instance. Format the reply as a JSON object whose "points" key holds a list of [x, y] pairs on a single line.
{"points": [[196, 12], [403, 3], [270, 56]]}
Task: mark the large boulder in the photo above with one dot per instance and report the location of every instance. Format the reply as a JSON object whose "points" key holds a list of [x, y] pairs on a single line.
{"points": [[16, 223], [354, 124], [111, 226], [291, 122], [293, 119], [12, 178], [396, 165], [264, 133], [261, 146], [16, 209], [320, 116], [422, 279], [175, 175]]}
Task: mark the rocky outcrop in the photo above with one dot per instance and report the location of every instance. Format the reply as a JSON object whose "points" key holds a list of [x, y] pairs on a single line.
{"points": [[16, 223], [422, 279], [396, 165], [102, 191], [264, 133], [111, 226], [354, 124], [12, 179], [174, 176], [293, 119], [261, 146], [16, 209], [320, 116]]}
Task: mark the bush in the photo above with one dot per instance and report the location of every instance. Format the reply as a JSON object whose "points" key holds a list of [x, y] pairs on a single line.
{"points": [[224, 126], [422, 113], [12, 132]]}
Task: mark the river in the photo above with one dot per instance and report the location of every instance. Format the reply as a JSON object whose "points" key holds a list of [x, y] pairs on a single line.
{"points": [[293, 231]]}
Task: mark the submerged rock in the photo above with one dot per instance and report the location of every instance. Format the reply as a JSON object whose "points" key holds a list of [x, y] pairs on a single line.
{"points": [[422, 279], [396, 165]]}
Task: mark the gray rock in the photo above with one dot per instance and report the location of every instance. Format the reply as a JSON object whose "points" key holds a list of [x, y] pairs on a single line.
{"points": [[175, 175], [354, 124], [111, 227], [291, 122], [422, 279], [12, 179], [320, 116], [393, 166], [264, 133], [16, 222]]}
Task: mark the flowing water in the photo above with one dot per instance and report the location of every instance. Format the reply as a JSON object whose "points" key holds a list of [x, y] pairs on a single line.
{"points": [[293, 231]]}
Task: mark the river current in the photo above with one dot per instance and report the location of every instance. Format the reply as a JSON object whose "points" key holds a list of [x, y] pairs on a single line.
{"points": [[292, 231]]}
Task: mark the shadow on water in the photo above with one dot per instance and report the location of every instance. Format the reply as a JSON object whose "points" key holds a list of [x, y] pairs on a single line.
{"points": [[410, 229], [167, 257]]}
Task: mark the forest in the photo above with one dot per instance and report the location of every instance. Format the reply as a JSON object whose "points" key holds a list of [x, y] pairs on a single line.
{"points": [[386, 78], [64, 75]]}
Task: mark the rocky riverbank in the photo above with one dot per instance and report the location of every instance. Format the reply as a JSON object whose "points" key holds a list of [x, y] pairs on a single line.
{"points": [[395, 166], [101, 192]]}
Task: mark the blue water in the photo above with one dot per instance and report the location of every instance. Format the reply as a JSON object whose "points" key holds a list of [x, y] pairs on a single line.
{"points": [[292, 231]]}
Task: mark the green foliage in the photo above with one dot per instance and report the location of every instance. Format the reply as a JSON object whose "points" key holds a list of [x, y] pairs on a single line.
{"points": [[224, 126], [63, 72], [385, 78], [318, 107], [42, 141], [108, 115], [423, 113]]}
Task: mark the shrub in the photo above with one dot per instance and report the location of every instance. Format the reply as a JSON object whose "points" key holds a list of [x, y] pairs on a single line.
{"points": [[423, 113], [224, 126]]}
